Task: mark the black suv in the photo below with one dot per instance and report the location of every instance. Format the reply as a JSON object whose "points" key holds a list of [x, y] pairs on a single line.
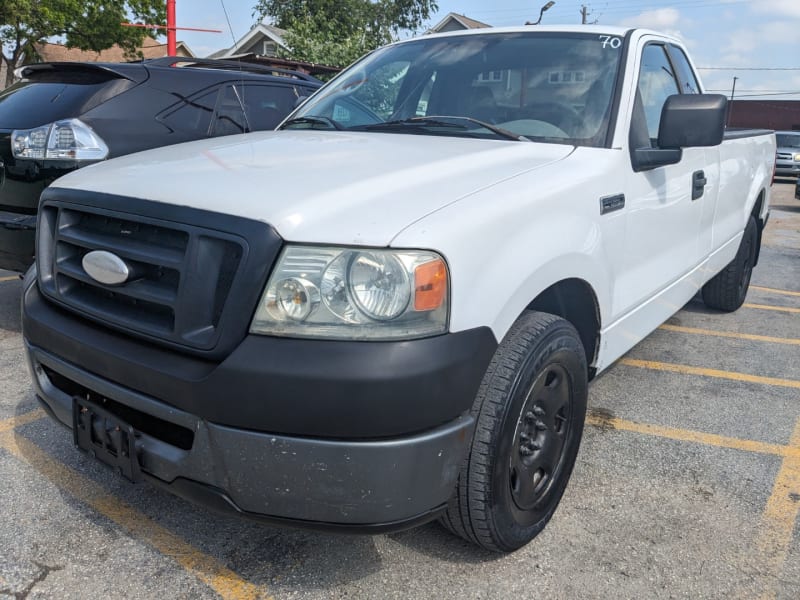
{"points": [[63, 116]]}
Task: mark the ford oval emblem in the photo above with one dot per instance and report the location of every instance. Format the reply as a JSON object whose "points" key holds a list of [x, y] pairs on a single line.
{"points": [[106, 267]]}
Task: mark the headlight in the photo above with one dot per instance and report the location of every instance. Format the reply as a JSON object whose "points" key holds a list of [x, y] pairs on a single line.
{"points": [[797, 157], [70, 140], [347, 293]]}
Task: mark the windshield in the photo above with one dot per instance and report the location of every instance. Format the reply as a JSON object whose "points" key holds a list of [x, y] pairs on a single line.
{"points": [[551, 87], [788, 140]]}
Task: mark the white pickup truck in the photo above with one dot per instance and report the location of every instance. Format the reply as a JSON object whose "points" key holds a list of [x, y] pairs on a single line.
{"points": [[388, 311]]}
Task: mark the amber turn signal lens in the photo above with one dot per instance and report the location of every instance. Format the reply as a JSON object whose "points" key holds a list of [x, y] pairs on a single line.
{"points": [[430, 285]]}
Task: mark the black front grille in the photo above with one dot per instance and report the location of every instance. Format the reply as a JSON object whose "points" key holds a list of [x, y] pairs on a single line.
{"points": [[182, 274]]}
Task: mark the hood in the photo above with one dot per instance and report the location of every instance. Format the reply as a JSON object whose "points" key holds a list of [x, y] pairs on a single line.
{"points": [[327, 187]]}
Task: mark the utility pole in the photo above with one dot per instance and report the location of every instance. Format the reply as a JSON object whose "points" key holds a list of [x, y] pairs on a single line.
{"points": [[730, 105], [585, 16]]}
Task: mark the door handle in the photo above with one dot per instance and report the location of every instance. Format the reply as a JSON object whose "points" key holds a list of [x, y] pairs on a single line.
{"points": [[699, 182]]}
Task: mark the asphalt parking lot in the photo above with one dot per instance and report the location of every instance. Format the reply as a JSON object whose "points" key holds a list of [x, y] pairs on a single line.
{"points": [[687, 485]]}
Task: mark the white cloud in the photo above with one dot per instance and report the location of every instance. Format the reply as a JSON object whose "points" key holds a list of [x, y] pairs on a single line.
{"points": [[788, 8], [659, 19], [734, 59], [664, 20], [750, 39]]}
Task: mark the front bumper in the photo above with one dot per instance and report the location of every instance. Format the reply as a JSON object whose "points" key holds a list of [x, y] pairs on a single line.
{"points": [[384, 454], [787, 169]]}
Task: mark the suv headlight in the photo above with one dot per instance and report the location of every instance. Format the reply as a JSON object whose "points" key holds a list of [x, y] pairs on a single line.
{"points": [[70, 139], [354, 293]]}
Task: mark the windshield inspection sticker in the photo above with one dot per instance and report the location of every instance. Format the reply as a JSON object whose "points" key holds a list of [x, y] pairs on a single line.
{"points": [[611, 41]]}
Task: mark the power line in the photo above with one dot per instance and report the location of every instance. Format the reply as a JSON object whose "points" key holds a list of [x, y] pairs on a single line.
{"points": [[797, 93], [749, 68], [755, 91]]}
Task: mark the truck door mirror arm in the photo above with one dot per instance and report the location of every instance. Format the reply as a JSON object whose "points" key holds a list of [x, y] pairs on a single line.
{"points": [[645, 159], [687, 121]]}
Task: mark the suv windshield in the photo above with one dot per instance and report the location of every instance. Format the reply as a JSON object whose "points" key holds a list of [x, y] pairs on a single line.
{"points": [[552, 87], [788, 140]]}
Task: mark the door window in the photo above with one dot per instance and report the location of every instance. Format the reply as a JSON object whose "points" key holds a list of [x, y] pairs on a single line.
{"points": [[229, 118], [267, 105], [656, 83], [193, 115], [689, 84]]}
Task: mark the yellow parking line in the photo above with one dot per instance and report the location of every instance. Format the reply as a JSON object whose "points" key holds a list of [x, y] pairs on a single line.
{"points": [[732, 334], [698, 437], [206, 568], [778, 521], [774, 291], [770, 307], [11, 278], [688, 370], [19, 420], [775, 536]]}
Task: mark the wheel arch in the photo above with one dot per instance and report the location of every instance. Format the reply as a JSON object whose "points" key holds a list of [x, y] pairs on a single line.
{"points": [[574, 300]]}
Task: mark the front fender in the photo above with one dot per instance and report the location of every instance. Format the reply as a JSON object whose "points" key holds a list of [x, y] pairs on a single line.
{"points": [[509, 243]]}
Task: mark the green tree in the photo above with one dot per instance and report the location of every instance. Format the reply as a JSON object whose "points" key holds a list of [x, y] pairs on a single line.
{"points": [[84, 24], [336, 32]]}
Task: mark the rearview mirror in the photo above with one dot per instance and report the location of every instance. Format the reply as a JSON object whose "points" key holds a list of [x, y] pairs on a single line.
{"points": [[692, 121], [687, 121]]}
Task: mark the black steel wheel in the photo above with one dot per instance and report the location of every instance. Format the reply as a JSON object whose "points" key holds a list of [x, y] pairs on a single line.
{"points": [[727, 289], [530, 412]]}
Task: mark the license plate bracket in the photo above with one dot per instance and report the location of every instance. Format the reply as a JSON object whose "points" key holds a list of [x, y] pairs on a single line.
{"points": [[106, 437]]}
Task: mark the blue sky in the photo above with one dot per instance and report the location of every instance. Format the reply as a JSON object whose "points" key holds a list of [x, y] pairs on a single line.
{"points": [[749, 35]]}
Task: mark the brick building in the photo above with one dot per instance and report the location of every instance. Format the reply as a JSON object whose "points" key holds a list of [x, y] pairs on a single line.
{"points": [[765, 114]]}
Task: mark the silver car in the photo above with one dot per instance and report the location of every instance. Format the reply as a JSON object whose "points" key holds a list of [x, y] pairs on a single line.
{"points": [[787, 159]]}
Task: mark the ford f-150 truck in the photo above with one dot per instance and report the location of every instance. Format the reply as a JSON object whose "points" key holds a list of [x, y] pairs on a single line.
{"points": [[388, 311]]}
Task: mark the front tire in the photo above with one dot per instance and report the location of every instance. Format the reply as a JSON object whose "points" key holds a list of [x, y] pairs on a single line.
{"points": [[728, 288], [529, 413]]}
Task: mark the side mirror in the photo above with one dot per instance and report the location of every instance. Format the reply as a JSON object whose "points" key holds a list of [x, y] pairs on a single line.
{"points": [[687, 121], [692, 121]]}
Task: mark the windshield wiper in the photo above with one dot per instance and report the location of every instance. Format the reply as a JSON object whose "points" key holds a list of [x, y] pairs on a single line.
{"points": [[313, 120], [442, 121]]}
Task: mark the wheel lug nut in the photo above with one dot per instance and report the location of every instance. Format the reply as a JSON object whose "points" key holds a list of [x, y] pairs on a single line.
{"points": [[538, 411], [525, 451], [540, 425], [529, 416], [524, 437]]}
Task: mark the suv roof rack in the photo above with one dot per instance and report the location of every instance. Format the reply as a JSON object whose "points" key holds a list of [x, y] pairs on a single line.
{"points": [[234, 65]]}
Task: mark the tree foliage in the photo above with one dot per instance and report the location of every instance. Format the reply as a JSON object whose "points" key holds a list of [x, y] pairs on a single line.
{"points": [[84, 24], [336, 32]]}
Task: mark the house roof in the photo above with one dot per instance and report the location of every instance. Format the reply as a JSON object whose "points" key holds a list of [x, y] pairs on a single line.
{"points": [[259, 30], [150, 48], [462, 20]]}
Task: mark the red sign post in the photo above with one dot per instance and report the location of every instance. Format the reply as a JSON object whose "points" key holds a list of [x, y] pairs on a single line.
{"points": [[172, 44], [171, 27]]}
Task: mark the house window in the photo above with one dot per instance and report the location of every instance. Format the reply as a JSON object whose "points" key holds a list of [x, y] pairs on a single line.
{"points": [[558, 77], [269, 49], [491, 76]]}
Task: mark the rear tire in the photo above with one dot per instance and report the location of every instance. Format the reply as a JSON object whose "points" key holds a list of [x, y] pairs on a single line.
{"points": [[728, 289], [529, 413]]}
